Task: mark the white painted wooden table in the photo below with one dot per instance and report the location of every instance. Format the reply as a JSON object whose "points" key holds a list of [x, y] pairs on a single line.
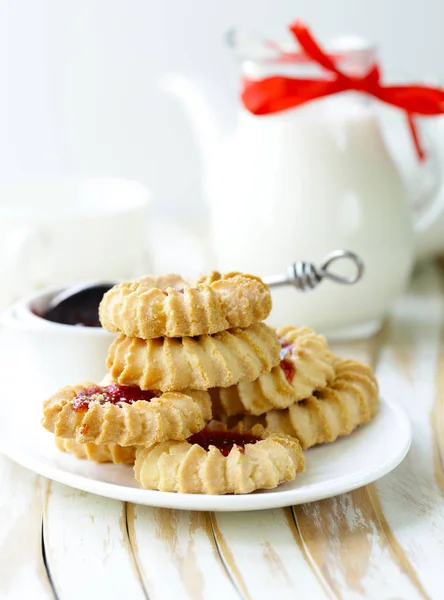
{"points": [[384, 541]]}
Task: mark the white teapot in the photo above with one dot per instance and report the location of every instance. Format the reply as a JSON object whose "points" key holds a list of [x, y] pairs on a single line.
{"points": [[299, 182]]}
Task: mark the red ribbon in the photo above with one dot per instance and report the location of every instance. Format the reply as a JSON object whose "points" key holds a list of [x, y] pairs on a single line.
{"points": [[278, 93]]}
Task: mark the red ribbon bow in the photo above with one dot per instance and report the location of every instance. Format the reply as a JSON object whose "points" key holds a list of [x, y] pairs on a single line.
{"points": [[274, 94]]}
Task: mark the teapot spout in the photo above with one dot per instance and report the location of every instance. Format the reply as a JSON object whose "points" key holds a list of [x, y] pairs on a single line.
{"points": [[199, 112]]}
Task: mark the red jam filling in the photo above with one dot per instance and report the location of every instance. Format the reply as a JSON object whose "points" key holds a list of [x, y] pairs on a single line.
{"points": [[222, 440], [287, 365], [288, 368], [114, 394], [285, 343]]}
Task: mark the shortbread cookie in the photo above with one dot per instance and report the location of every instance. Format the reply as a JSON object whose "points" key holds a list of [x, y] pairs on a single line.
{"points": [[168, 306], [98, 453], [124, 415], [203, 362], [217, 461], [306, 366], [350, 401]]}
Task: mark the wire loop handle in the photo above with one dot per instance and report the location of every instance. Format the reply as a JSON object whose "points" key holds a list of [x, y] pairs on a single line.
{"points": [[305, 276]]}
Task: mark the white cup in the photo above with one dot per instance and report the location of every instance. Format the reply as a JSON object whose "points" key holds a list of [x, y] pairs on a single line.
{"points": [[65, 230], [43, 355]]}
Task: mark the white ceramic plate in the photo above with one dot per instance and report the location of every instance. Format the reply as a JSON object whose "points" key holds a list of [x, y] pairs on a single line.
{"points": [[351, 462]]}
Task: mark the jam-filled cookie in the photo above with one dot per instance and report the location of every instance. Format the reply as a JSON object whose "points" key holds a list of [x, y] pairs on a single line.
{"points": [[153, 307], [203, 362], [220, 461], [349, 401], [125, 415], [306, 365], [99, 453]]}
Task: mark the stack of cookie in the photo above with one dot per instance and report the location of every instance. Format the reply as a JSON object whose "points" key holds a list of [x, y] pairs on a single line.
{"points": [[187, 355], [175, 343]]}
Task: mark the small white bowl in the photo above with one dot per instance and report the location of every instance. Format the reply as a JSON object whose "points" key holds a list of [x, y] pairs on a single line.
{"points": [[44, 355]]}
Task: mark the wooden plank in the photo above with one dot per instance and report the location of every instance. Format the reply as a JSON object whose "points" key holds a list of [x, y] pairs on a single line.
{"points": [[177, 556], [22, 569], [344, 538], [87, 547], [411, 373], [347, 538], [261, 551]]}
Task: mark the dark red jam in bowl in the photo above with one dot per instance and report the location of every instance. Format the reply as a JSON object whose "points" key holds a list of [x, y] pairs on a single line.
{"points": [[81, 309], [222, 440], [114, 394]]}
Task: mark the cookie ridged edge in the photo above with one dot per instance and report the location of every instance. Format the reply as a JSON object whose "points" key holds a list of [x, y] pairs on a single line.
{"points": [[97, 452], [188, 468], [313, 365], [351, 400], [153, 307], [218, 360], [173, 416]]}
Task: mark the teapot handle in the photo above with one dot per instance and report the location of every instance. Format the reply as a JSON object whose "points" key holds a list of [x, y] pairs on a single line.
{"points": [[431, 202]]}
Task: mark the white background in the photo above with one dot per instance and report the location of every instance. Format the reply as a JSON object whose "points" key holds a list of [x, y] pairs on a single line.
{"points": [[80, 79]]}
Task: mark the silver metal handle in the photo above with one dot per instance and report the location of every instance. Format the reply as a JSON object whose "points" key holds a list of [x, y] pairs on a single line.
{"points": [[305, 276]]}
